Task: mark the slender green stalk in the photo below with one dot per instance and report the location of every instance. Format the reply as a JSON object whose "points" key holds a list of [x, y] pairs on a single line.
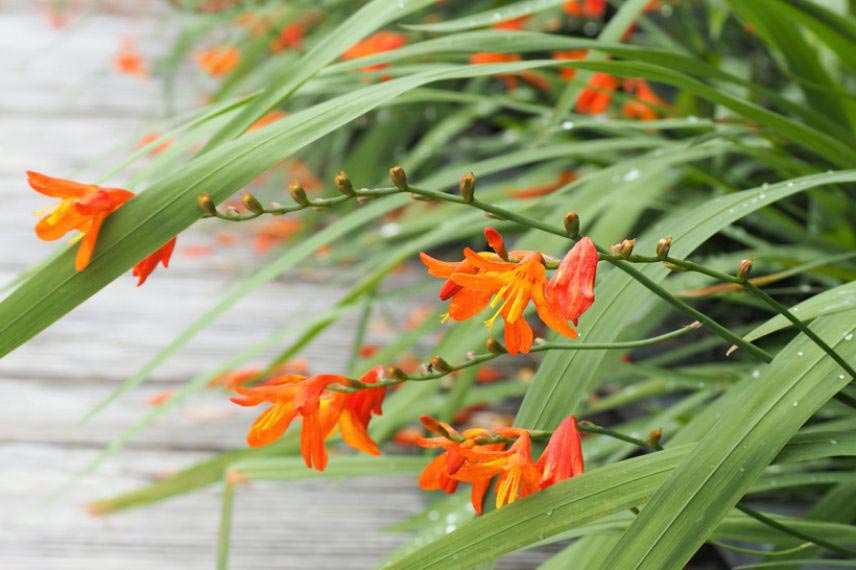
{"points": [[474, 360], [762, 518], [224, 538]]}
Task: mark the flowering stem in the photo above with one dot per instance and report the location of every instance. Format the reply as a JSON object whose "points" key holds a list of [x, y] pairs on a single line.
{"points": [[762, 518], [355, 385]]}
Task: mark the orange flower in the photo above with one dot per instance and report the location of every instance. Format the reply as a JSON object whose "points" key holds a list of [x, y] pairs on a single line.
{"points": [[322, 411], [589, 8], [644, 107], [571, 288], [597, 95], [568, 73], [472, 282], [274, 232], [218, 60], [152, 137], [515, 284], [374, 44], [82, 207], [518, 23], [477, 455], [565, 177], [129, 61], [510, 79], [143, 269], [271, 117], [160, 398], [290, 37]]}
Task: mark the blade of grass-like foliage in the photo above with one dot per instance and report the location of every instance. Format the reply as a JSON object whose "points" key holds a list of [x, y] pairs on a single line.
{"points": [[587, 552], [564, 381], [835, 30], [777, 481], [169, 206], [781, 31], [294, 468], [487, 18], [364, 21], [713, 478], [570, 503], [816, 445], [835, 300]]}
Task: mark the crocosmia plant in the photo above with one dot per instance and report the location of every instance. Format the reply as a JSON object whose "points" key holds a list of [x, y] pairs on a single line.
{"points": [[598, 262]]}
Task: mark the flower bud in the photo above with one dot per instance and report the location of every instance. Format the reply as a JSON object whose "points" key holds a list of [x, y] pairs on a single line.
{"points": [[440, 428], [468, 186], [252, 204], [298, 194], [398, 177], [495, 347], [654, 438], [440, 365], [495, 241], [572, 224], [343, 184], [624, 249], [663, 247], [396, 373], [207, 204], [744, 268]]}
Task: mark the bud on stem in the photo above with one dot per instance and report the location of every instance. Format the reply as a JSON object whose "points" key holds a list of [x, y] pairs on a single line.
{"points": [[252, 204], [468, 187], [744, 268], [624, 249], [440, 365], [654, 438], [298, 194], [495, 347], [398, 177], [663, 247], [207, 205], [572, 224], [396, 373], [343, 184]]}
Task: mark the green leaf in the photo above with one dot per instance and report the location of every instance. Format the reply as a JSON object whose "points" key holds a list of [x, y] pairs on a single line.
{"points": [[487, 18], [700, 492], [835, 300], [817, 445]]}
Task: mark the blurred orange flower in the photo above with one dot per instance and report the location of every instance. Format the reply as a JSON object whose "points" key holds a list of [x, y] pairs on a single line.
{"points": [[587, 8], [597, 95], [129, 61], [218, 60], [568, 73], [374, 44], [290, 37]]}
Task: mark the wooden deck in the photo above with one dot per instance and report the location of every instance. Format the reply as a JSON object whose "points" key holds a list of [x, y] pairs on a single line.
{"points": [[61, 106]]}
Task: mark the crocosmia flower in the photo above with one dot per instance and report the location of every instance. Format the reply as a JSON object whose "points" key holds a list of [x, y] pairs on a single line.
{"points": [[586, 8], [478, 455], [219, 60], [129, 61], [569, 73], [644, 106], [82, 207], [597, 94], [483, 279], [374, 44], [322, 411], [143, 269], [571, 288]]}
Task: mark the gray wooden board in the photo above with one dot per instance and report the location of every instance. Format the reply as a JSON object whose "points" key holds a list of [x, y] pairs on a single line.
{"points": [[62, 106]]}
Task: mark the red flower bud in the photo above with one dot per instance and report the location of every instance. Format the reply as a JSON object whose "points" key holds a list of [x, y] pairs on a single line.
{"points": [[571, 289]]}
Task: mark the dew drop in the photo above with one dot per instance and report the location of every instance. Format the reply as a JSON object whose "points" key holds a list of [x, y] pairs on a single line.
{"points": [[743, 470], [790, 184], [762, 195], [756, 374], [433, 516], [795, 404], [632, 175], [800, 353], [548, 513], [450, 528], [568, 125], [848, 336], [833, 441], [841, 376]]}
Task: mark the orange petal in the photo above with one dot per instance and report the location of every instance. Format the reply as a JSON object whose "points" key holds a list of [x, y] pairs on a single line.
{"points": [[57, 187], [354, 433], [467, 303], [270, 425], [518, 337], [87, 244]]}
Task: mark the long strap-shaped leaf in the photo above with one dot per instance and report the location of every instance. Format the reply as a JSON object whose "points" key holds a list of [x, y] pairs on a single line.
{"points": [[566, 505], [712, 479], [564, 380]]}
